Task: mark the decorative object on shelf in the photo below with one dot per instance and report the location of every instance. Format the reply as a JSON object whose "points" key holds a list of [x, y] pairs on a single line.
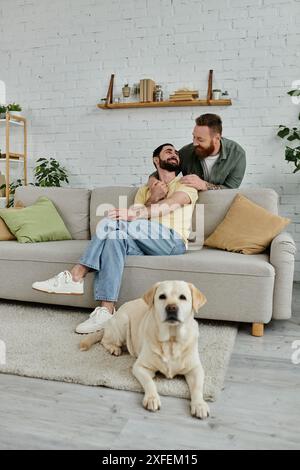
{"points": [[209, 86], [15, 109], [136, 90], [3, 110], [216, 94], [110, 91], [292, 154], [184, 94], [49, 173], [158, 93], [126, 91], [225, 95]]}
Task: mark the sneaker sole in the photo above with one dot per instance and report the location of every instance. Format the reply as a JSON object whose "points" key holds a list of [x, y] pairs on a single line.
{"points": [[89, 332], [58, 293]]}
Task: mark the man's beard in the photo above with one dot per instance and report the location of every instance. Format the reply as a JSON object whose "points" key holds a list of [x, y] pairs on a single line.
{"points": [[169, 165], [203, 153]]}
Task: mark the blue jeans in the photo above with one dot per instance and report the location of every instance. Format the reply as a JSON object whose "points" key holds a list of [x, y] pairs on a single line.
{"points": [[114, 240]]}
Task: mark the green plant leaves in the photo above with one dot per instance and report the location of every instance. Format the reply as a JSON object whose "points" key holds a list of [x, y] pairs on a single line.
{"points": [[291, 135], [294, 92], [283, 132], [49, 173]]}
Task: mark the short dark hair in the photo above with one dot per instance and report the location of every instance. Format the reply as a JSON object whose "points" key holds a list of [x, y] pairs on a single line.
{"points": [[157, 151], [213, 121]]}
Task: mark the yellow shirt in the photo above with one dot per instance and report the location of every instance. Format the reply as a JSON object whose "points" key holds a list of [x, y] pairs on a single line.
{"points": [[179, 220]]}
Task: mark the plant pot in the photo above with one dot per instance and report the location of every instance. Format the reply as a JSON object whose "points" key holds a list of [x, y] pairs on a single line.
{"points": [[2, 115], [15, 113], [216, 94]]}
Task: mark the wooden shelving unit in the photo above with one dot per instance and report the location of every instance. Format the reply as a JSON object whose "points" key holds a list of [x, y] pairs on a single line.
{"points": [[165, 104], [109, 104], [12, 120]]}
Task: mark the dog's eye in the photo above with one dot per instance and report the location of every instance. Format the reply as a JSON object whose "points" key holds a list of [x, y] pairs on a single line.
{"points": [[162, 296], [182, 297]]}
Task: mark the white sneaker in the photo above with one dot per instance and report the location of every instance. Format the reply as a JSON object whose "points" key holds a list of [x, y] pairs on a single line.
{"points": [[95, 322], [62, 283]]}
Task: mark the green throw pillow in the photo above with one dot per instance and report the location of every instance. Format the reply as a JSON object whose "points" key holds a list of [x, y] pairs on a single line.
{"points": [[37, 223]]}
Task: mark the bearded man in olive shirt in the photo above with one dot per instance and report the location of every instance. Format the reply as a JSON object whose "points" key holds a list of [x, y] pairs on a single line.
{"points": [[209, 162]]}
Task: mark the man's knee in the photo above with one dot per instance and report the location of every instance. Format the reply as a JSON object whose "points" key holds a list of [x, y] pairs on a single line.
{"points": [[105, 227], [138, 229]]}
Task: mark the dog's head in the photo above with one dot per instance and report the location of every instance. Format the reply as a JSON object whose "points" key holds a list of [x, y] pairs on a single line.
{"points": [[174, 301]]}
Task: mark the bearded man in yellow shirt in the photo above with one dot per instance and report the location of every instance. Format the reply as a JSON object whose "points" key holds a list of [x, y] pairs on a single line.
{"points": [[159, 229]]}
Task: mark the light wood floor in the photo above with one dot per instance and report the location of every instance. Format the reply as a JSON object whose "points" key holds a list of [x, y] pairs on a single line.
{"points": [[259, 407]]}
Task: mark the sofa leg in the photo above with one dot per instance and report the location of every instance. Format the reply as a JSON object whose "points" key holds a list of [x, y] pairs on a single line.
{"points": [[257, 329]]}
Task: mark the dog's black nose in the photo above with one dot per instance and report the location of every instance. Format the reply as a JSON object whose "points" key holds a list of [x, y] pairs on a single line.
{"points": [[172, 310]]}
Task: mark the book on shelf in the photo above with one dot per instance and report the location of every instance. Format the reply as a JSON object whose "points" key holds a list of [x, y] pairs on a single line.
{"points": [[184, 95], [147, 87], [181, 98]]}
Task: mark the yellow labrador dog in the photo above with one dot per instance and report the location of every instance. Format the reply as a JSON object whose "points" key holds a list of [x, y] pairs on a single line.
{"points": [[159, 329]]}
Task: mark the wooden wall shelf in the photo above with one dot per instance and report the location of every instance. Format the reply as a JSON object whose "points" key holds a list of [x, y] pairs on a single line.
{"points": [[165, 104]]}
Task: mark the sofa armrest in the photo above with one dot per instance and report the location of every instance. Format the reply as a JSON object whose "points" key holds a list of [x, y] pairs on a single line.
{"points": [[282, 257]]}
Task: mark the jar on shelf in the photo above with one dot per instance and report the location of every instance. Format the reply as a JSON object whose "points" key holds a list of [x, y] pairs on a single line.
{"points": [[158, 93], [126, 90]]}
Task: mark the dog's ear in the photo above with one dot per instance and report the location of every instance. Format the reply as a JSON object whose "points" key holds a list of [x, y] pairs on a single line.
{"points": [[199, 299], [148, 297]]}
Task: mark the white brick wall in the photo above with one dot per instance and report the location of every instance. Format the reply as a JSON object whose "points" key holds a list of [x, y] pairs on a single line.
{"points": [[56, 58]]}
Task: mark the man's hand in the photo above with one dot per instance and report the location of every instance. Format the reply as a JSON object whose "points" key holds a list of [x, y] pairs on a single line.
{"points": [[124, 214], [195, 182], [158, 190]]}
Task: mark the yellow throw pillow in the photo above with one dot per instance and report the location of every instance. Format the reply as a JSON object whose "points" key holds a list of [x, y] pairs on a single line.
{"points": [[5, 233], [247, 228]]}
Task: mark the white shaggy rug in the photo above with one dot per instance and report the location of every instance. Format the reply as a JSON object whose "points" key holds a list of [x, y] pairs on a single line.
{"points": [[40, 342]]}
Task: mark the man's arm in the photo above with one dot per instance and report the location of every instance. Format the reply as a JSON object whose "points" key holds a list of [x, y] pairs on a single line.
{"points": [[164, 207], [236, 176]]}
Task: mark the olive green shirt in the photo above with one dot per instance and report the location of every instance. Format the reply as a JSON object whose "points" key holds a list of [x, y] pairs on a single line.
{"points": [[229, 169]]}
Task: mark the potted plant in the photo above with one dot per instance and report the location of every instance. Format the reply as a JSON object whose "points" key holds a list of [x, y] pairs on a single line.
{"points": [[15, 109], [292, 154], [216, 94], [48, 172], [12, 189], [3, 109]]}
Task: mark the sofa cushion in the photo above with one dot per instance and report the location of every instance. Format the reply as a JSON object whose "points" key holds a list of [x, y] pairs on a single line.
{"points": [[65, 251], [37, 223], [72, 204], [247, 228], [107, 198], [217, 203], [206, 260]]}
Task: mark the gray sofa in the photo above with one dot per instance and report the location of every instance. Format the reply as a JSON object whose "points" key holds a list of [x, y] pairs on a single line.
{"points": [[246, 288]]}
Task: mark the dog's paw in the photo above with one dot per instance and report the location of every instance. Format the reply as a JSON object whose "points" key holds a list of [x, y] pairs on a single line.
{"points": [[151, 402], [114, 350], [200, 410]]}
